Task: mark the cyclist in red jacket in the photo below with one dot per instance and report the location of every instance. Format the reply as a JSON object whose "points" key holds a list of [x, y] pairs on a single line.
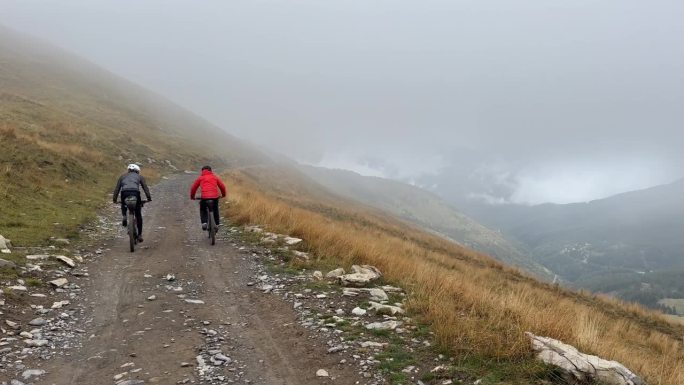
{"points": [[209, 184]]}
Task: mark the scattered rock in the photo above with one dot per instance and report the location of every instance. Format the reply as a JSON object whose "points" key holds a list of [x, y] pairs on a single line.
{"points": [[335, 273], [152, 297], [291, 241], [318, 275], [37, 257], [18, 288], [37, 322], [5, 245], [322, 373], [385, 309], [4, 264], [32, 373], [12, 324], [361, 276], [59, 282], [358, 311], [387, 325], [59, 304], [68, 261], [580, 368], [378, 295], [195, 301]]}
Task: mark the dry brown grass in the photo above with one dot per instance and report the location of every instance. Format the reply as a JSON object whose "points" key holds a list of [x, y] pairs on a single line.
{"points": [[476, 306]]}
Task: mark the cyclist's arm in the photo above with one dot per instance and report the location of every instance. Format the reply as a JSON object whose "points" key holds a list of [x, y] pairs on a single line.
{"points": [[144, 186], [194, 187], [221, 186], [117, 189]]}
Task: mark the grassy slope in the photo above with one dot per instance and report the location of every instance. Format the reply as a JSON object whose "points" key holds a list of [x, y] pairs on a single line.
{"points": [[67, 130], [426, 210], [477, 307]]}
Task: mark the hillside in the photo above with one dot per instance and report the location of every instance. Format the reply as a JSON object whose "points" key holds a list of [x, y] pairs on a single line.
{"points": [[611, 245], [68, 128], [478, 308], [426, 210]]}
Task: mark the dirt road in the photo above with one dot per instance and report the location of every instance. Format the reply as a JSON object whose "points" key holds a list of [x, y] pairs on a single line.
{"points": [[141, 327]]}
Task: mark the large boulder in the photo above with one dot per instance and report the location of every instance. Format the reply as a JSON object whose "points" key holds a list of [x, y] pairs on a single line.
{"points": [[361, 276], [580, 368]]}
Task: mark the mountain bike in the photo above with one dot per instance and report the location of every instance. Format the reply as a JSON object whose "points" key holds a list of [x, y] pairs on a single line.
{"points": [[131, 228], [212, 228]]}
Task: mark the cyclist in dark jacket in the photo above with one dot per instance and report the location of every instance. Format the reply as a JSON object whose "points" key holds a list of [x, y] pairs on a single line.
{"points": [[129, 185]]}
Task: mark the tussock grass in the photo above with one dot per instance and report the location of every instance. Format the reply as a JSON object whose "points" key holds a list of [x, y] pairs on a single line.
{"points": [[476, 306]]}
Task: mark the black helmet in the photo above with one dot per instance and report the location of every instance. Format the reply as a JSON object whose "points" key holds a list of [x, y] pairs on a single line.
{"points": [[206, 168]]}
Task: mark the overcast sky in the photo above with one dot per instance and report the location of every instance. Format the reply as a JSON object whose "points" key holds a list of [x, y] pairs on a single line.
{"points": [[565, 100]]}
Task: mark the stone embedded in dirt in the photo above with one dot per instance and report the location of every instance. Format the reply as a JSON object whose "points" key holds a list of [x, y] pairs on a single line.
{"points": [[32, 373], [301, 254], [292, 240], [16, 382], [5, 245], [4, 264], [38, 322], [130, 382], [580, 368], [318, 275], [385, 309], [322, 373], [358, 311], [36, 343], [387, 325], [170, 277], [61, 241], [12, 324], [195, 301], [152, 297], [59, 304], [59, 282], [37, 257], [335, 273], [349, 292], [185, 364], [378, 295], [68, 261], [372, 344], [361, 276]]}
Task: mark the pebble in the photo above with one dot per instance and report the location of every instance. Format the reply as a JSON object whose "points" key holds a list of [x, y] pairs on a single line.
{"points": [[38, 322], [322, 373]]}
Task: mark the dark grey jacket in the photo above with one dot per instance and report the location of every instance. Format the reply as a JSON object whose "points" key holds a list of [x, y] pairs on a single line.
{"points": [[131, 181]]}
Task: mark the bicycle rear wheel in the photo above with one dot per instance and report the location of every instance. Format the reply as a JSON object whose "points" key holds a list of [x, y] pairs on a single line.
{"points": [[132, 233], [212, 228]]}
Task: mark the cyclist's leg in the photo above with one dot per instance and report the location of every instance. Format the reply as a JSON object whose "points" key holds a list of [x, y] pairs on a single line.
{"points": [[203, 211], [138, 214], [124, 209], [216, 211]]}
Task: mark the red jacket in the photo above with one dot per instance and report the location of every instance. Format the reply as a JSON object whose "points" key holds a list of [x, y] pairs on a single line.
{"points": [[208, 182]]}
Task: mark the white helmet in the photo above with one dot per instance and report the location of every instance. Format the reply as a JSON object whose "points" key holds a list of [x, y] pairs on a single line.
{"points": [[133, 167]]}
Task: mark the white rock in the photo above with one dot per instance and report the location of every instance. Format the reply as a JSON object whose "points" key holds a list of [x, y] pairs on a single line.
{"points": [[36, 343], [318, 275], [5, 245], [579, 367], [18, 288], [292, 240], [300, 254], [152, 297], [349, 292], [385, 309], [361, 276], [322, 373], [12, 324], [59, 304], [387, 325], [335, 273], [372, 344], [195, 301], [37, 257], [32, 373], [378, 295], [59, 282], [358, 311], [68, 261]]}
